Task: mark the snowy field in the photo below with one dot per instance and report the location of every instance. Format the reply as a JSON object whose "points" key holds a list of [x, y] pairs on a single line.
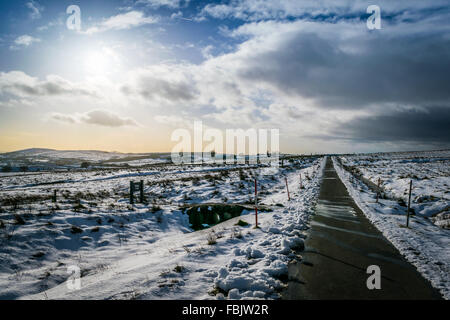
{"points": [[429, 172], [426, 244], [150, 251], [34, 160]]}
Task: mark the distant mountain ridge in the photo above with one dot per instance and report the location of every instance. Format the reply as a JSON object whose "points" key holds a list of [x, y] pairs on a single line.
{"points": [[36, 151], [36, 159]]}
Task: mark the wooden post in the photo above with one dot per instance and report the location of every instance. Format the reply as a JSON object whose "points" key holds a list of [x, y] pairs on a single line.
{"points": [[409, 204], [287, 188], [378, 189], [141, 191], [256, 204], [54, 196], [131, 192], [301, 186]]}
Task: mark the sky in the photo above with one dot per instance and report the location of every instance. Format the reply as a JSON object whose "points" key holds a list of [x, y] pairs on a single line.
{"points": [[136, 70]]}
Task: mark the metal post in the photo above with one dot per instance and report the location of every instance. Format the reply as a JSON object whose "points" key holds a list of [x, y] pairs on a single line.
{"points": [[378, 189], [287, 188], [141, 191], [409, 204], [131, 192], [256, 204], [301, 186]]}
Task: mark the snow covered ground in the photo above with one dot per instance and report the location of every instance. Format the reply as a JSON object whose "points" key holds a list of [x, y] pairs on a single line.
{"points": [[32, 160], [429, 172], [149, 251], [425, 244]]}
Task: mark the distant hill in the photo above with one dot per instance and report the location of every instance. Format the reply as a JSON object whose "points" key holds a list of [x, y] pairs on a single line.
{"points": [[27, 151], [61, 154], [50, 158]]}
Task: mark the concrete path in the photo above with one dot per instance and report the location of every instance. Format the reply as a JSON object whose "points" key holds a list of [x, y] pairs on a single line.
{"points": [[341, 244]]}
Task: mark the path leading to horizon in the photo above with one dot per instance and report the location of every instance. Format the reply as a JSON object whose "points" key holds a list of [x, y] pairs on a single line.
{"points": [[340, 246]]}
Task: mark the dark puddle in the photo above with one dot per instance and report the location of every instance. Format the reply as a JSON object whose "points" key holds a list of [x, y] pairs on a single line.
{"points": [[204, 216]]}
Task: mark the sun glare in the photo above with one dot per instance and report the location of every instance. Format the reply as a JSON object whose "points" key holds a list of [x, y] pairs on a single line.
{"points": [[97, 63]]}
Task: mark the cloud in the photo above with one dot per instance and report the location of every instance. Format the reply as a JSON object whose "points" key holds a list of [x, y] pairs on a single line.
{"points": [[96, 117], [257, 10], [24, 41], [308, 76], [123, 21], [177, 15], [173, 4], [171, 83], [332, 11], [35, 8], [64, 117], [343, 66], [424, 126], [107, 119], [20, 84], [206, 51]]}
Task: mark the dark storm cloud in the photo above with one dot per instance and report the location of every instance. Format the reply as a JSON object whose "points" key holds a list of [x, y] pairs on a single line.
{"points": [[430, 126], [411, 69], [338, 64]]}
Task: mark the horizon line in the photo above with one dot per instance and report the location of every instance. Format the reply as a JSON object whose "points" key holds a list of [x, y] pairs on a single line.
{"points": [[168, 152]]}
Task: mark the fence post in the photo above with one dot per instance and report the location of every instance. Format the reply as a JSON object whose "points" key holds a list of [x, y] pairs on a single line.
{"points": [[141, 191], [301, 186], [287, 188], [256, 204], [54, 196], [131, 192], [409, 204], [378, 190]]}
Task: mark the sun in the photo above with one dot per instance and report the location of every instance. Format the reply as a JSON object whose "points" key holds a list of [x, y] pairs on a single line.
{"points": [[97, 63], [101, 62]]}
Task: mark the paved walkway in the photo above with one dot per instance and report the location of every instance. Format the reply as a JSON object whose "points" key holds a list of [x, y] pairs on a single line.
{"points": [[341, 244]]}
